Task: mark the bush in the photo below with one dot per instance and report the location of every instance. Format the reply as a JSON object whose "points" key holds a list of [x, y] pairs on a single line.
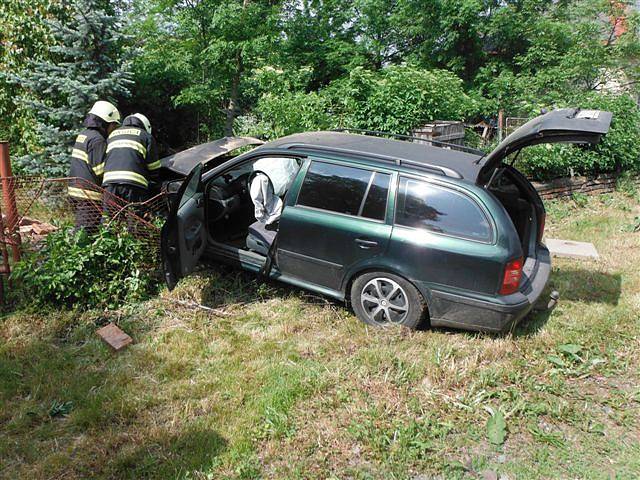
{"points": [[395, 99], [81, 270], [398, 99], [618, 151], [287, 113]]}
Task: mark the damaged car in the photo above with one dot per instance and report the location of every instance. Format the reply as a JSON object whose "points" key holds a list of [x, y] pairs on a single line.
{"points": [[406, 233]]}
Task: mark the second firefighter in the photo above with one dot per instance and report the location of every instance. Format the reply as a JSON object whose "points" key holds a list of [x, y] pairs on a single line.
{"points": [[131, 163]]}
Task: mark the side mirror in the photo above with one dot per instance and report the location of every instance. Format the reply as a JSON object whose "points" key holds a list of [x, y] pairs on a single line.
{"points": [[171, 188]]}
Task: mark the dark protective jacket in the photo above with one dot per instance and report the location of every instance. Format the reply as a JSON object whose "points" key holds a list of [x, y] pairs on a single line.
{"points": [[87, 160], [132, 156]]}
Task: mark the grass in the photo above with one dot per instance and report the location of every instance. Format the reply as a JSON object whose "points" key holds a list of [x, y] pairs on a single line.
{"points": [[278, 383]]}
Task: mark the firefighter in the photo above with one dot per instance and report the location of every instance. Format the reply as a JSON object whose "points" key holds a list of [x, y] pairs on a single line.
{"points": [[87, 164], [131, 164]]}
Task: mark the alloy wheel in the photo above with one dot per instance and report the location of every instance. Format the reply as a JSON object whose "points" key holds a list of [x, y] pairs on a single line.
{"points": [[384, 301]]}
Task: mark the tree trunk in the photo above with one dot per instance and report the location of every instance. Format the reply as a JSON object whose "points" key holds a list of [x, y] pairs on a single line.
{"points": [[232, 106], [233, 100]]}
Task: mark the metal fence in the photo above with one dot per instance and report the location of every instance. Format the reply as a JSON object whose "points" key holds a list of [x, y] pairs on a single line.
{"points": [[33, 207]]}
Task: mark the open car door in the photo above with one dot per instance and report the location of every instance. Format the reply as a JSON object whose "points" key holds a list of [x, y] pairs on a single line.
{"points": [[184, 234], [566, 125]]}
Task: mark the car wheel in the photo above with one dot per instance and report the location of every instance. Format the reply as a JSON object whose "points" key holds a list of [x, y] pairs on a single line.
{"points": [[383, 299]]}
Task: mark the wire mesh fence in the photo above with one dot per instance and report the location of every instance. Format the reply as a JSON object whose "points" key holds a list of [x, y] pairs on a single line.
{"points": [[33, 207]]}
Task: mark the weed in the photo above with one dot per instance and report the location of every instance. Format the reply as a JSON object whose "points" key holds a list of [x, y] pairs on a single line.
{"points": [[496, 427], [60, 409], [580, 199], [552, 438], [627, 184], [75, 268], [634, 226]]}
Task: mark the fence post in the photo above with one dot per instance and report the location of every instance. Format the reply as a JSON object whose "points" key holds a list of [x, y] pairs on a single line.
{"points": [[9, 198], [500, 124]]}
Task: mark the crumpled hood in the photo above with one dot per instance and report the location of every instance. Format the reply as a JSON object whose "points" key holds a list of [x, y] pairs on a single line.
{"points": [[183, 162]]}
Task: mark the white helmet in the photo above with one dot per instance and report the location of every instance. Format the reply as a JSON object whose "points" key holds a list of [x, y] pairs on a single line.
{"points": [[145, 121], [106, 111]]}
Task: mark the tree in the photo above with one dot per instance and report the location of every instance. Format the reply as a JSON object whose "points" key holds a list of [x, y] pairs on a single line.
{"points": [[321, 35], [221, 42], [86, 63], [25, 36]]}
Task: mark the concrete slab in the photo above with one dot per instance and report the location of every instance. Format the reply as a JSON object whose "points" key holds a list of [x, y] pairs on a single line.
{"points": [[571, 249], [114, 337]]}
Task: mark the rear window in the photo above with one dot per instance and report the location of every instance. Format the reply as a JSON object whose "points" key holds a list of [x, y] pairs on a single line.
{"points": [[347, 190], [437, 209]]}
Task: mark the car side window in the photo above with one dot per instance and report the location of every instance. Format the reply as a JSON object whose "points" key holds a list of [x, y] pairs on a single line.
{"points": [[438, 209], [375, 204], [342, 189], [192, 187]]}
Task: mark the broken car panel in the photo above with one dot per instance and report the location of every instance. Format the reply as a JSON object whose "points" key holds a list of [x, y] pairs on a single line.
{"points": [[183, 162]]}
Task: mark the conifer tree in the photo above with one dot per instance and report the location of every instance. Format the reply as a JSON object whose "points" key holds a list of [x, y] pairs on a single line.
{"points": [[88, 62]]}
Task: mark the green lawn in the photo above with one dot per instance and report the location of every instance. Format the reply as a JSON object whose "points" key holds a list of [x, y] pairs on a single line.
{"points": [[278, 383]]}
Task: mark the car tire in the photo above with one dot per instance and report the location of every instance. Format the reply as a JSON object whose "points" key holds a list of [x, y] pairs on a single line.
{"points": [[383, 299]]}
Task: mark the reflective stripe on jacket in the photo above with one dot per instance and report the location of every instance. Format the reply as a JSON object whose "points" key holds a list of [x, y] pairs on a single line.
{"points": [[131, 156], [84, 193], [87, 164]]}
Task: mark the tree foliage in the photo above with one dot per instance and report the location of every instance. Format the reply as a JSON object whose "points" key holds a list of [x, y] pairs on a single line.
{"points": [[24, 37], [394, 99], [206, 68], [85, 63]]}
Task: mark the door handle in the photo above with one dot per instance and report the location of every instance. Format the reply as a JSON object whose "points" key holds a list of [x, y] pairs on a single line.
{"points": [[366, 244]]}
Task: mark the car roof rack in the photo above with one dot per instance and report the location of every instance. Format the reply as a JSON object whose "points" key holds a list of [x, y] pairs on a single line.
{"points": [[440, 170], [397, 136]]}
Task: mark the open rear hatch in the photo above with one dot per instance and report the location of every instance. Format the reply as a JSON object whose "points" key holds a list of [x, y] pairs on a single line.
{"points": [[513, 190], [566, 125]]}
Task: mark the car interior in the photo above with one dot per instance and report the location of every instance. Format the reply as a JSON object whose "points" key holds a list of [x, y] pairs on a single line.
{"points": [[518, 204], [231, 210]]}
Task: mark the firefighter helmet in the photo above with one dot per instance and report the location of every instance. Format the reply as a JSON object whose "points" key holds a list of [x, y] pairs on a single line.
{"points": [[106, 111], [145, 121]]}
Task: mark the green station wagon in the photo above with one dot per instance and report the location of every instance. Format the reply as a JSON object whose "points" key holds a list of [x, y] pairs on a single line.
{"points": [[404, 232]]}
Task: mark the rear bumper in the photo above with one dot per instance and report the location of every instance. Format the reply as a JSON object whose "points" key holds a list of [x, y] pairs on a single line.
{"points": [[491, 314]]}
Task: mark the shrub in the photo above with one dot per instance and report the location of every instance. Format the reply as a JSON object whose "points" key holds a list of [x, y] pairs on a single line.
{"points": [[288, 113], [398, 98], [81, 270], [395, 99]]}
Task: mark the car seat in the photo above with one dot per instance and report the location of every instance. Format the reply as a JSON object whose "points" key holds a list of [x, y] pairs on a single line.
{"points": [[267, 211], [259, 238]]}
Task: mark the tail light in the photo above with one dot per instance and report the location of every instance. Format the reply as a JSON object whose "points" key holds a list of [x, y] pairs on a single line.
{"points": [[512, 276], [543, 219]]}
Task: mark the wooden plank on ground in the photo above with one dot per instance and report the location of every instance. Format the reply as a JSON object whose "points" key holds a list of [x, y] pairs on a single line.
{"points": [[114, 337], [571, 249]]}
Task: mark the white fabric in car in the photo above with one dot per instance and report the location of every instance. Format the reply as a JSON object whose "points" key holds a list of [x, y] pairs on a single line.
{"points": [[267, 205], [281, 171], [273, 180]]}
